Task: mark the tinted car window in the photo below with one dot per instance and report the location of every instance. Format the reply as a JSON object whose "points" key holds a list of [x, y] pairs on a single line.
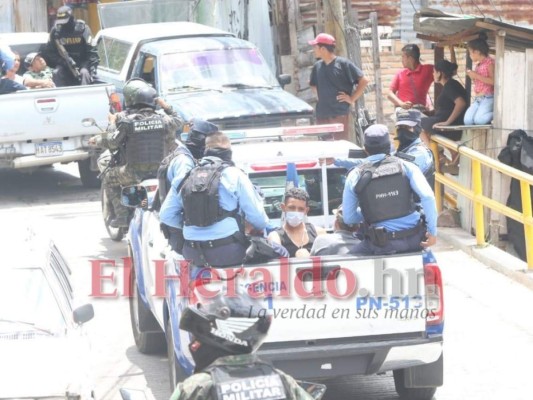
{"points": [[112, 53], [273, 187]]}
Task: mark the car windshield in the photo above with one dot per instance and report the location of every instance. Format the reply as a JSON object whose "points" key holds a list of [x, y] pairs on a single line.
{"points": [[273, 187], [213, 69], [27, 303]]}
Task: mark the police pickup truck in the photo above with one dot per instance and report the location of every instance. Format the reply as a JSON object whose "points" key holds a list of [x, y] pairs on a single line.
{"points": [[42, 126], [334, 316]]}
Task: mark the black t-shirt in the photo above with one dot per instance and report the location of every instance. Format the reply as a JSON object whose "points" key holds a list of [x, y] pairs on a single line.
{"points": [[289, 244], [446, 101], [340, 75]]}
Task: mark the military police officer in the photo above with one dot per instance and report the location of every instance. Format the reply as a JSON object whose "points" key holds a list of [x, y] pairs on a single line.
{"points": [[408, 130], [143, 137], [209, 206], [70, 50], [171, 173], [380, 193], [225, 364]]}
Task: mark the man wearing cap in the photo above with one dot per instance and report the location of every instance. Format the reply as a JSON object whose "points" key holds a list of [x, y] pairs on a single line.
{"points": [[75, 37], [408, 130], [179, 163], [410, 86], [340, 242], [38, 74], [337, 82], [379, 194]]}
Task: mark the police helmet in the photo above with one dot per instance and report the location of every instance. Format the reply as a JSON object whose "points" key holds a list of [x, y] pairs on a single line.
{"points": [[145, 96], [64, 15], [130, 89], [228, 325], [199, 130]]}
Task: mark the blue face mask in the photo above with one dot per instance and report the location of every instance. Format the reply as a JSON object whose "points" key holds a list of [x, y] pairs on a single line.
{"points": [[294, 218]]}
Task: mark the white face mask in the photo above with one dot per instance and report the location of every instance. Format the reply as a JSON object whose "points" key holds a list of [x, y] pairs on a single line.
{"points": [[294, 218]]}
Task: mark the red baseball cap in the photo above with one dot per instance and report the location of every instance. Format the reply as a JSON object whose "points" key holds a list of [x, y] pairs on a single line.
{"points": [[322, 38]]}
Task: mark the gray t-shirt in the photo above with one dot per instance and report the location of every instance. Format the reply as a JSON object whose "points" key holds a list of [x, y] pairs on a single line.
{"points": [[337, 243]]}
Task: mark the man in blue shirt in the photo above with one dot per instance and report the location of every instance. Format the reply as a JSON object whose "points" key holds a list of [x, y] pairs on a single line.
{"points": [[380, 193], [212, 216], [183, 159], [7, 62]]}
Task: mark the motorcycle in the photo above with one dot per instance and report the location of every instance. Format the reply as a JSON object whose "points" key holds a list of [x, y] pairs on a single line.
{"points": [[106, 161]]}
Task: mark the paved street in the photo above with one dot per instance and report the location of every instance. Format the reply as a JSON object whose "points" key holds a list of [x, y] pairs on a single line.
{"points": [[488, 333]]}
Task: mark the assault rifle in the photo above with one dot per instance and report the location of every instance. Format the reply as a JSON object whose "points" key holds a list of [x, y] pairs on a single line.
{"points": [[71, 65]]}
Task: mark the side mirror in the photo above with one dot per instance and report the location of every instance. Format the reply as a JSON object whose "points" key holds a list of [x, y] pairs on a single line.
{"points": [[134, 196], [88, 122], [132, 394], [316, 390], [83, 314], [284, 79]]}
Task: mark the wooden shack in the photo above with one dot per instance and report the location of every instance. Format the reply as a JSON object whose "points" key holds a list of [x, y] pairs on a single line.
{"points": [[512, 48]]}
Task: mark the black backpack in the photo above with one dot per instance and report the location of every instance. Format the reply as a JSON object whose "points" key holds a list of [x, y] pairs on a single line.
{"points": [[199, 191], [163, 185]]}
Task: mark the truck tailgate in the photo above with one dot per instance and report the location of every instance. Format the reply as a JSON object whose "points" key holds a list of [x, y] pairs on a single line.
{"points": [[39, 114], [388, 296]]}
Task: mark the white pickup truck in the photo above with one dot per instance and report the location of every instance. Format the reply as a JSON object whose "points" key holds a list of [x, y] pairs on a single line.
{"points": [[334, 316], [43, 126]]}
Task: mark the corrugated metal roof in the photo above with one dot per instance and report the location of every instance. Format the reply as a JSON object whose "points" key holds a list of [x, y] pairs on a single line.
{"points": [[438, 26]]}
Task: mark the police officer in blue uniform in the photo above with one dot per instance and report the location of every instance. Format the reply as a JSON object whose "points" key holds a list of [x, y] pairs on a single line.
{"points": [[7, 62], [213, 214], [179, 163], [408, 130], [380, 193]]}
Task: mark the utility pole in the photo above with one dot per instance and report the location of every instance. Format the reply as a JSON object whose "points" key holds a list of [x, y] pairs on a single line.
{"points": [[334, 24]]}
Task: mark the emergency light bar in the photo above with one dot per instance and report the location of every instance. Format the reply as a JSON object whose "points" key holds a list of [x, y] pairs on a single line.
{"points": [[284, 132]]}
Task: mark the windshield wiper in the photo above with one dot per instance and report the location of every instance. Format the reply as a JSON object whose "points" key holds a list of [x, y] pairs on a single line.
{"points": [[189, 87], [246, 86], [32, 324]]}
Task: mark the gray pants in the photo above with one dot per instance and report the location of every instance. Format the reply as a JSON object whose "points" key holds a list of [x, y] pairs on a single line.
{"points": [[227, 255]]}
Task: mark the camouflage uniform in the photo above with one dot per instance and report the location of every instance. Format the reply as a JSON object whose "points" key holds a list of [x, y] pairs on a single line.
{"points": [[124, 174], [200, 386]]}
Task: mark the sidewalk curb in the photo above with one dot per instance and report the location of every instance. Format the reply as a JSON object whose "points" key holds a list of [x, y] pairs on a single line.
{"points": [[491, 256]]}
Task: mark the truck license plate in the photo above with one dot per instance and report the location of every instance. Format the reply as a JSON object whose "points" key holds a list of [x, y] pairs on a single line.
{"points": [[48, 149]]}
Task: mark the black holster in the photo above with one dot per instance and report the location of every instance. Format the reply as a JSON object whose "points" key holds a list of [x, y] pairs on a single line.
{"points": [[377, 235]]}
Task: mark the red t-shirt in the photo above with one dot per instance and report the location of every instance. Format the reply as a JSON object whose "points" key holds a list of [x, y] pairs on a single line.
{"points": [[414, 85]]}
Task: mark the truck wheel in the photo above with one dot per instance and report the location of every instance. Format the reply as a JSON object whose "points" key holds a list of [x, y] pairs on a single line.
{"points": [[148, 342], [175, 372], [406, 393], [89, 178]]}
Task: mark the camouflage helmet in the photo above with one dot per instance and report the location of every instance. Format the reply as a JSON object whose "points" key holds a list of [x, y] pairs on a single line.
{"points": [[130, 90]]}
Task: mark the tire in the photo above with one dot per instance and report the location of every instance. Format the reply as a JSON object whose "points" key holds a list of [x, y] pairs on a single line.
{"points": [[116, 234], [89, 178], [405, 393], [147, 342], [175, 373]]}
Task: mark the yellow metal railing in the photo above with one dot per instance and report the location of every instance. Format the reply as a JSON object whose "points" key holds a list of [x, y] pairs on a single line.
{"points": [[475, 194]]}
